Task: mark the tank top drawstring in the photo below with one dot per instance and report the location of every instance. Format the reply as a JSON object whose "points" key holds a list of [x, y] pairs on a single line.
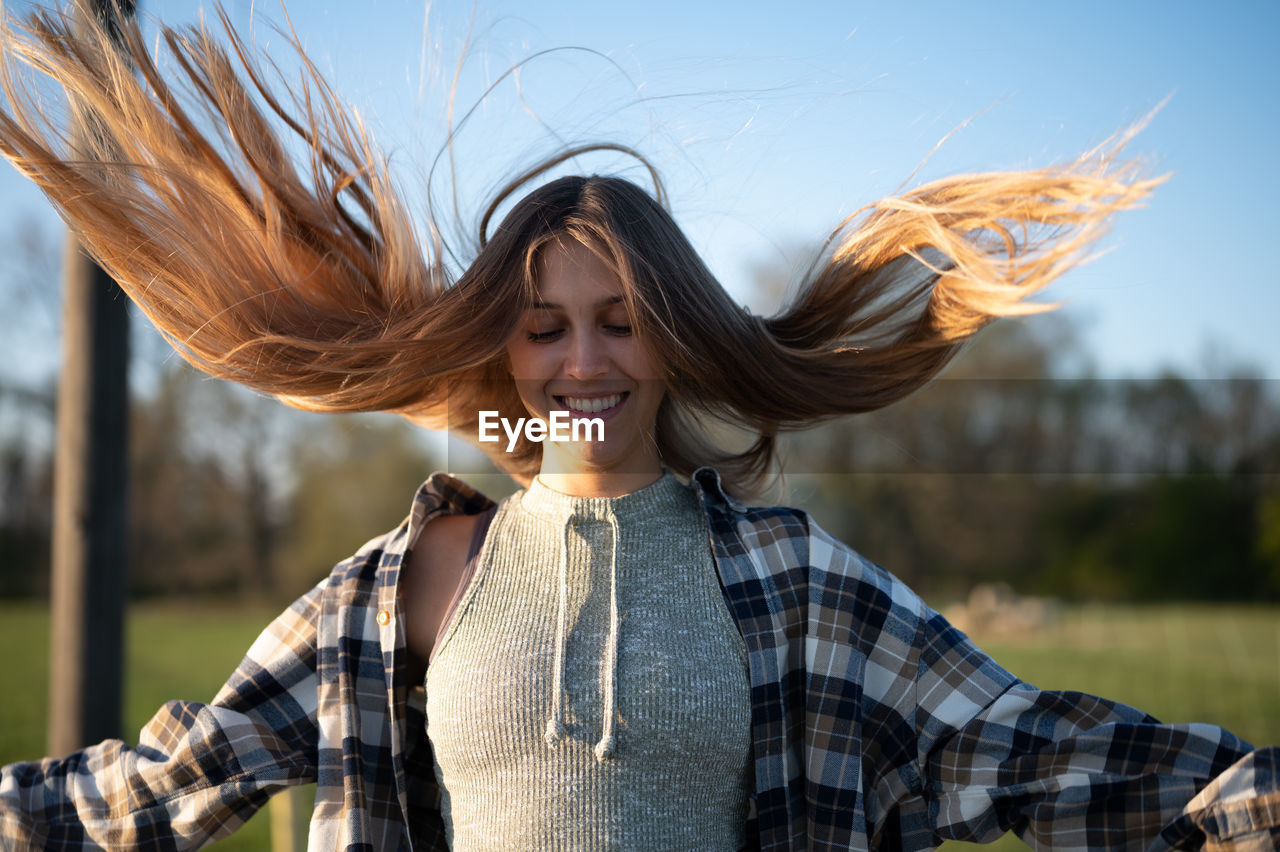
{"points": [[556, 729], [604, 748], [555, 723]]}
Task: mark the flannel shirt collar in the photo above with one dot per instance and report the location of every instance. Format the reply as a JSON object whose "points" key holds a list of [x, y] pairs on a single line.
{"points": [[707, 480]]}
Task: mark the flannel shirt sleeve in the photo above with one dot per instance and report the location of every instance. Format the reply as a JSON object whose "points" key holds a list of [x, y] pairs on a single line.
{"points": [[1066, 770], [199, 770]]}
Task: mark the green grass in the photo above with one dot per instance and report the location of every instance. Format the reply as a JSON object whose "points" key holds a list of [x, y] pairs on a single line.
{"points": [[1181, 664], [172, 651]]}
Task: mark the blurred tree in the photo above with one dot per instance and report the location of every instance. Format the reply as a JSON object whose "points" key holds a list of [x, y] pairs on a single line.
{"points": [[25, 520], [942, 487], [1018, 465], [355, 478], [30, 293], [213, 474], [1268, 546], [186, 534]]}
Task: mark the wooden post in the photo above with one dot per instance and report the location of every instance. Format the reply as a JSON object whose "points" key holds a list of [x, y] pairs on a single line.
{"points": [[289, 813], [90, 505]]}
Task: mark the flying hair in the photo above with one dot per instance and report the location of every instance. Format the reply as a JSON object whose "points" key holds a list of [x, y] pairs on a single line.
{"points": [[305, 278]]}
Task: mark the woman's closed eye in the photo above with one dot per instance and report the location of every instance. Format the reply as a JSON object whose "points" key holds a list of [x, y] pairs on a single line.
{"points": [[545, 336], [555, 333]]}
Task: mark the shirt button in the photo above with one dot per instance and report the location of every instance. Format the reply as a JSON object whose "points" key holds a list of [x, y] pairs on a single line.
{"points": [[384, 617]]}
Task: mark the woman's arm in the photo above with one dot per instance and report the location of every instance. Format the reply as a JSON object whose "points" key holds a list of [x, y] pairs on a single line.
{"points": [[952, 746], [199, 770], [1070, 770]]}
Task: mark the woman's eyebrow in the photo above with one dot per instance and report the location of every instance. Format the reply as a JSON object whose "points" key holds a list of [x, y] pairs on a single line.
{"points": [[555, 306]]}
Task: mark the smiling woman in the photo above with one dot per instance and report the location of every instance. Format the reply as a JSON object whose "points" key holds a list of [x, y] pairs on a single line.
{"points": [[621, 654]]}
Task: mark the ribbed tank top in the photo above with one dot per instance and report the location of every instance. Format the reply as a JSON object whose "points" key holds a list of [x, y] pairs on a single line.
{"points": [[590, 689]]}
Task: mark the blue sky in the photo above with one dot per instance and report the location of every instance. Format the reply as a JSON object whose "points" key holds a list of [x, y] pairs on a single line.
{"points": [[771, 123]]}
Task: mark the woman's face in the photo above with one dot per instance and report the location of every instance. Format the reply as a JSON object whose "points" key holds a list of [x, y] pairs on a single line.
{"points": [[575, 351]]}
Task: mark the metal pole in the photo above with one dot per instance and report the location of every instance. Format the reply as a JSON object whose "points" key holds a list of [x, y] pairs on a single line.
{"points": [[90, 505]]}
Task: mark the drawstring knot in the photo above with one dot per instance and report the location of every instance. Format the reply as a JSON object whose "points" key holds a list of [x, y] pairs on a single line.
{"points": [[555, 731], [604, 748]]}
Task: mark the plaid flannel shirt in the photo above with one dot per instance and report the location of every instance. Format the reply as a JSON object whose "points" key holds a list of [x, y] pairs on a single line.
{"points": [[876, 725]]}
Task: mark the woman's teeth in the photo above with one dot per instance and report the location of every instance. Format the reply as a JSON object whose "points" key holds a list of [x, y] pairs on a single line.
{"points": [[593, 405]]}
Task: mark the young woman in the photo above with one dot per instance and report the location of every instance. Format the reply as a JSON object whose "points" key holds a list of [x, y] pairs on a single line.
{"points": [[622, 654]]}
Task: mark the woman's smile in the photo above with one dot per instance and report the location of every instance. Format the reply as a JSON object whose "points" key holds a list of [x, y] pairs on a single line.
{"points": [[595, 407]]}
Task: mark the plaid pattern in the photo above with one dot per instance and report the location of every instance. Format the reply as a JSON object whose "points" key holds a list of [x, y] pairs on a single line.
{"points": [[875, 725]]}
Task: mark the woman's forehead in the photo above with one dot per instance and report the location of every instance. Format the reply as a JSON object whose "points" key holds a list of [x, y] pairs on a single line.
{"points": [[566, 269]]}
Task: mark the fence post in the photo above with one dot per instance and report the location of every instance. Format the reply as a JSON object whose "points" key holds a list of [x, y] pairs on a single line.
{"points": [[90, 500]]}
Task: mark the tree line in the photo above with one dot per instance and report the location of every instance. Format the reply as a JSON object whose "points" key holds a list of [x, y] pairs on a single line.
{"points": [[230, 493], [1163, 488], [1160, 488]]}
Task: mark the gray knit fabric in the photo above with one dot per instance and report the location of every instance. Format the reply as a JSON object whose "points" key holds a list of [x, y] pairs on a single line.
{"points": [[591, 691]]}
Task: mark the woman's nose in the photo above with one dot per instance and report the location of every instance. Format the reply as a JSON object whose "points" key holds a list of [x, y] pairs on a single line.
{"points": [[586, 357]]}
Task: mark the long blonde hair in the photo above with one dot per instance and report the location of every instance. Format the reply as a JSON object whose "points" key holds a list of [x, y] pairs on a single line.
{"points": [[312, 284]]}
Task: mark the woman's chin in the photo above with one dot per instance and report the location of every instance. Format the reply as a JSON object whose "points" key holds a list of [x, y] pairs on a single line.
{"points": [[584, 457], [595, 457]]}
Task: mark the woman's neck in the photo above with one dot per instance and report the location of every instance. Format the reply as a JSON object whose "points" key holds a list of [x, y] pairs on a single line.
{"points": [[590, 484]]}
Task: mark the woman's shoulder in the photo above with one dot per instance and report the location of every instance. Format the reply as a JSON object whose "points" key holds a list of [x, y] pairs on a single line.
{"points": [[434, 567], [443, 504]]}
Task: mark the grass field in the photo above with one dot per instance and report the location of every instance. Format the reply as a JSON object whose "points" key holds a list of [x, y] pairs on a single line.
{"points": [[173, 651], [1182, 664]]}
